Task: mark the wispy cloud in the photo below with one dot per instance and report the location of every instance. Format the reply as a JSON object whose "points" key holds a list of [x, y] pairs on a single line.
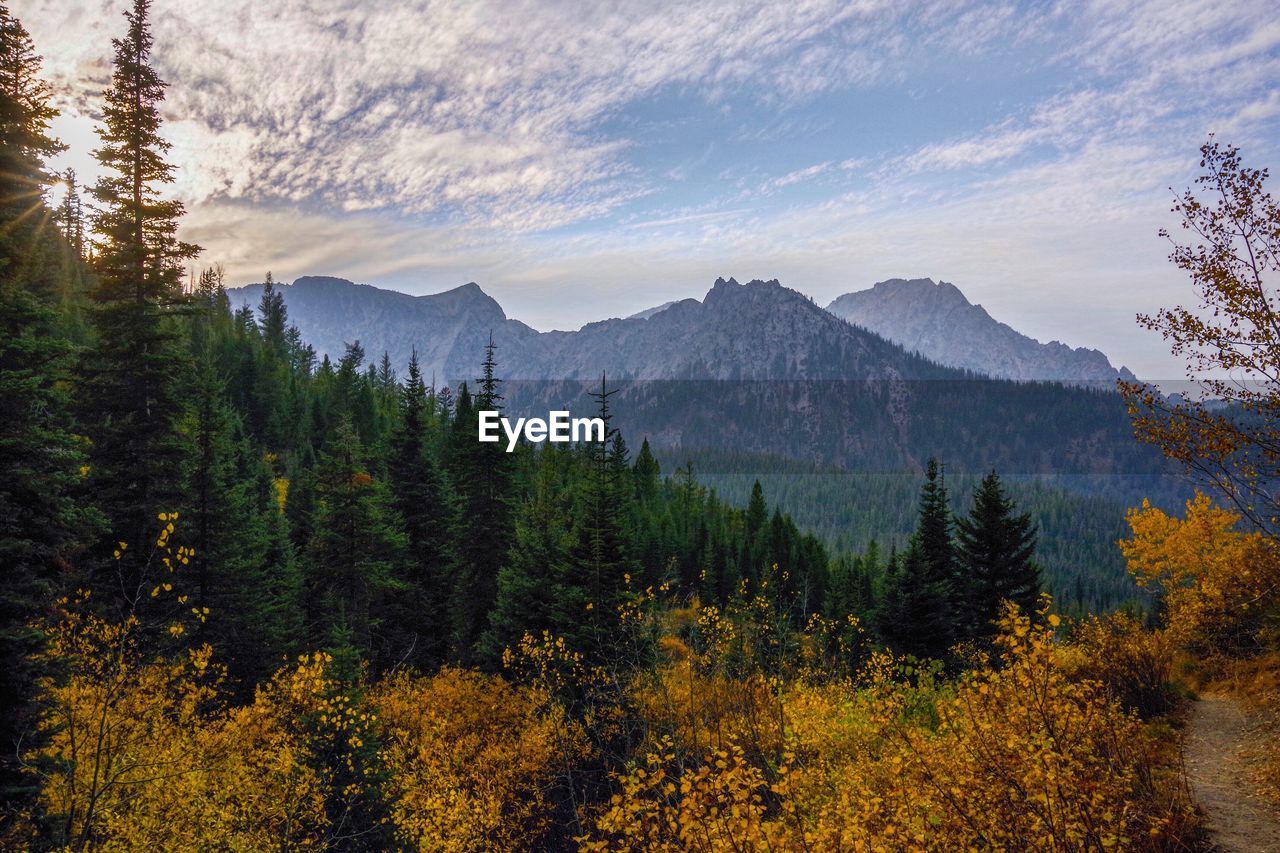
{"points": [[480, 110]]}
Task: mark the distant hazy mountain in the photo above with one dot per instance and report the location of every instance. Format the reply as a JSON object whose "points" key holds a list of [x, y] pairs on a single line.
{"points": [[937, 321], [449, 330]]}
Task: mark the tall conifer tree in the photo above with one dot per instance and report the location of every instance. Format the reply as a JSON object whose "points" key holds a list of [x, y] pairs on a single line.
{"points": [[419, 494], [481, 474], [531, 598], [934, 527], [599, 556], [135, 406], [913, 615], [40, 519], [997, 558], [355, 551]]}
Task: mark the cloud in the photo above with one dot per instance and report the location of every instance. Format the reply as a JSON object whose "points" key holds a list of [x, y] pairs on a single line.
{"points": [[477, 110]]}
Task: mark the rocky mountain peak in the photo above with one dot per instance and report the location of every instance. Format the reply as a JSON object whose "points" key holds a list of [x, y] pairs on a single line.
{"points": [[469, 297], [936, 320]]}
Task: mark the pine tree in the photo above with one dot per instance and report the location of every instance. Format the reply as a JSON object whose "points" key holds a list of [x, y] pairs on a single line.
{"points": [[136, 406], [263, 604], [531, 598], [355, 550], [26, 112], [934, 527], [243, 568], [419, 616], [913, 616], [754, 560], [599, 557], [71, 215], [41, 522], [273, 418], [996, 556], [918, 613], [32, 251], [212, 514], [651, 551], [274, 317], [647, 473], [843, 597], [481, 474]]}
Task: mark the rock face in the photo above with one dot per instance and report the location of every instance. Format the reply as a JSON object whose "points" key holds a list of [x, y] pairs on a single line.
{"points": [[937, 321]]}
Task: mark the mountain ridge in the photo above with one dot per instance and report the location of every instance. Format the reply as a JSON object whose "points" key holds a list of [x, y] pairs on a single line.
{"points": [[449, 329], [938, 321]]}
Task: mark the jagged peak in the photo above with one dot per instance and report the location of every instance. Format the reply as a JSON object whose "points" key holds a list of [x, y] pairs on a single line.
{"points": [[724, 286]]}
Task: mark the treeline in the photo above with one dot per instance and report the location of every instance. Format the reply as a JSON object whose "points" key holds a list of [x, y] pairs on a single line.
{"points": [[1078, 524]]}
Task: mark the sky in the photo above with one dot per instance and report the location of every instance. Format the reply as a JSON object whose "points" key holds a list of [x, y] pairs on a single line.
{"points": [[582, 160]]}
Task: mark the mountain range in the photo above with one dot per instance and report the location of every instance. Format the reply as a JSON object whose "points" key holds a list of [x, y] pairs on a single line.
{"points": [[787, 335]]}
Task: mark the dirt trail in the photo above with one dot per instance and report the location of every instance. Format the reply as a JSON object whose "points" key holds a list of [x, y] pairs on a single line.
{"points": [[1220, 728]]}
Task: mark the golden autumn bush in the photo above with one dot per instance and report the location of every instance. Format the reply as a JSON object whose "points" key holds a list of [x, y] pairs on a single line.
{"points": [[1220, 585], [1015, 754], [142, 752], [1133, 663], [742, 733], [471, 759], [137, 753]]}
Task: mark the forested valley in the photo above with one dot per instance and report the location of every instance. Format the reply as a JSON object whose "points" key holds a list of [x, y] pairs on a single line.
{"points": [[258, 599]]}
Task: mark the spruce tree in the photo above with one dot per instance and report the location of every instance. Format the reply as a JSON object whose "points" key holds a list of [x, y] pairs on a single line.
{"points": [[599, 556], [71, 215], [913, 616], [481, 474], [531, 597], [243, 568], [274, 317], [356, 548], [26, 111], [753, 558], [647, 473], [263, 604], [651, 551], [41, 520], [918, 613], [934, 527], [996, 556], [135, 405], [418, 491]]}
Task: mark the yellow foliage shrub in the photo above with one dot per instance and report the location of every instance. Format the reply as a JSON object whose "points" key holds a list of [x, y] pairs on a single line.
{"points": [[1219, 584], [1134, 664], [135, 757], [1013, 756], [471, 760]]}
